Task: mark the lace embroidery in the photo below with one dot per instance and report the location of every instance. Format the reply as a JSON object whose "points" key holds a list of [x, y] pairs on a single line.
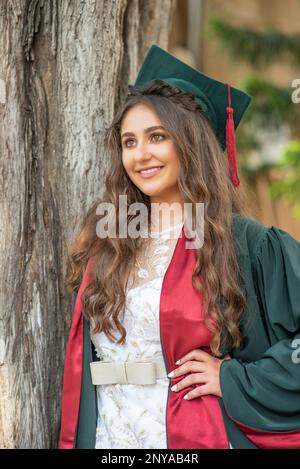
{"points": [[152, 260]]}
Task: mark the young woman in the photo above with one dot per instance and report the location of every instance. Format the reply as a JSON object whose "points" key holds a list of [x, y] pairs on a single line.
{"points": [[173, 347]]}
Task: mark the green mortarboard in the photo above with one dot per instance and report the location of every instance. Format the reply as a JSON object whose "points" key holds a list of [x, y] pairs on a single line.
{"points": [[223, 104]]}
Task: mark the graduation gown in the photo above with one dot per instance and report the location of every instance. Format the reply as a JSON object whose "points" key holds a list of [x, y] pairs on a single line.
{"points": [[260, 407]]}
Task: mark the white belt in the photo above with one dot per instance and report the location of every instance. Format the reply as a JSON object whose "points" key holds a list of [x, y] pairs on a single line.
{"points": [[139, 372]]}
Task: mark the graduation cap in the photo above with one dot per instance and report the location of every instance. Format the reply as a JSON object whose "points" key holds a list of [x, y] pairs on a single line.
{"points": [[223, 104]]}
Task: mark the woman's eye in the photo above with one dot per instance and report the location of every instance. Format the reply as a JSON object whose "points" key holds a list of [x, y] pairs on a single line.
{"points": [[153, 135], [157, 135]]}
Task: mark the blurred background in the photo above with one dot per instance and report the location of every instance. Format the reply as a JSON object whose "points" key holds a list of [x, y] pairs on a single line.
{"points": [[254, 45]]}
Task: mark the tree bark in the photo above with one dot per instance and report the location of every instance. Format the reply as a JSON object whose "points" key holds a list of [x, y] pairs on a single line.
{"points": [[64, 69]]}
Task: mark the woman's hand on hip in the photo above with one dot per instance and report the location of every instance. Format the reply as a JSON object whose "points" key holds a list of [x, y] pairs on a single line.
{"points": [[201, 368]]}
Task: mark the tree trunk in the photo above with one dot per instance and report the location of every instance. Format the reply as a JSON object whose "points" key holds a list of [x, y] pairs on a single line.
{"points": [[64, 68]]}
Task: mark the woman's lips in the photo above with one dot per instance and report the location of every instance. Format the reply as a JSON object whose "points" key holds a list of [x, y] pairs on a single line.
{"points": [[151, 173]]}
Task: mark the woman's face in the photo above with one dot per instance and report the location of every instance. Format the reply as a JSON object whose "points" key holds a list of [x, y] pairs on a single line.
{"points": [[146, 144]]}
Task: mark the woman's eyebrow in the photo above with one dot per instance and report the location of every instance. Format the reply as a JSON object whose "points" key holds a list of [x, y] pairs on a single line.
{"points": [[147, 130]]}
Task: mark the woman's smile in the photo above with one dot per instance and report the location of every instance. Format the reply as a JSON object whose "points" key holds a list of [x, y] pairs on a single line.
{"points": [[148, 173]]}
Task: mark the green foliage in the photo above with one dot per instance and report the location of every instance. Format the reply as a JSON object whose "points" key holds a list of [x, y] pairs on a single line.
{"points": [[257, 47], [273, 104], [271, 108], [289, 187], [246, 139]]}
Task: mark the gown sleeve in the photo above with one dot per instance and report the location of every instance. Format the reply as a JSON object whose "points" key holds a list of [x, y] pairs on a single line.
{"points": [[265, 394]]}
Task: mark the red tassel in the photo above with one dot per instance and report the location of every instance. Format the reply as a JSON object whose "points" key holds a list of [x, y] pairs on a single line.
{"points": [[230, 143]]}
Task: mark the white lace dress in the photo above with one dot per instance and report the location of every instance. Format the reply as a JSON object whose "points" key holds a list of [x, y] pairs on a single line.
{"points": [[129, 415]]}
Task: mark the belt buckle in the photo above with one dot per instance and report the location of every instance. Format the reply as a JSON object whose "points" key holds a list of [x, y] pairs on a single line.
{"points": [[140, 372]]}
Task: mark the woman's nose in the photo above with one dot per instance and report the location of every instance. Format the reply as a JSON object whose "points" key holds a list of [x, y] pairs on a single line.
{"points": [[142, 153]]}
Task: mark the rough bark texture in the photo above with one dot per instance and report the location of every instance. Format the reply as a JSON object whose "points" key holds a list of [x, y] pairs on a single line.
{"points": [[65, 66]]}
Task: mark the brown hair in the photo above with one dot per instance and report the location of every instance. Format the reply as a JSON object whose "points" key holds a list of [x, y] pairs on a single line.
{"points": [[204, 177]]}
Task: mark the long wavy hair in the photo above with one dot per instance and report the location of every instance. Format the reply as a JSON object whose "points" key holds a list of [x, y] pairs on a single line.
{"points": [[204, 177]]}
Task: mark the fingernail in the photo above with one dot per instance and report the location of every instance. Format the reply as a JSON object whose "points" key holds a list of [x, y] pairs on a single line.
{"points": [[186, 397], [170, 375], [174, 388], [178, 361]]}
